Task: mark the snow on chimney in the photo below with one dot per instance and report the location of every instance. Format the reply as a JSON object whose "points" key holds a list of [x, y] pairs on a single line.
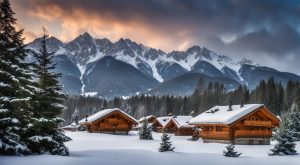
{"points": [[86, 118], [230, 106], [242, 104]]}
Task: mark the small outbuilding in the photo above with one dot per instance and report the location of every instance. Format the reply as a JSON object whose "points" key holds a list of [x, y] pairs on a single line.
{"points": [[237, 124], [113, 121], [179, 125], [74, 127], [160, 123], [150, 119]]}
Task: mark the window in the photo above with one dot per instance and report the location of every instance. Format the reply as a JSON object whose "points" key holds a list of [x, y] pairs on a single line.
{"points": [[218, 128]]}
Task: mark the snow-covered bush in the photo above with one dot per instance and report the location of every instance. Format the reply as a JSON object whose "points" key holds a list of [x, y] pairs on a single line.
{"points": [[196, 134], [166, 144], [145, 132], [230, 151]]}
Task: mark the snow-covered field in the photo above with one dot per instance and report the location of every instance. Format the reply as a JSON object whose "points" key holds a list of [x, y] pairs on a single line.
{"points": [[104, 149]]}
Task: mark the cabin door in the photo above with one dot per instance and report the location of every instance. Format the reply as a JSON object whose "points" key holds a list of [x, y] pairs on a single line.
{"points": [[251, 142]]}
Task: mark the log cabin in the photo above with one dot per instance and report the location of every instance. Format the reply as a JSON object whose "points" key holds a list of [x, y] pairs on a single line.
{"points": [[160, 123], [150, 119], [179, 125], [238, 124], [73, 127], [112, 121]]}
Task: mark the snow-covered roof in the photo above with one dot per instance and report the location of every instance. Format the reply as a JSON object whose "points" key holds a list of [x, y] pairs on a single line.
{"points": [[141, 124], [182, 121], [222, 114], [103, 113], [164, 120], [73, 125], [147, 117]]}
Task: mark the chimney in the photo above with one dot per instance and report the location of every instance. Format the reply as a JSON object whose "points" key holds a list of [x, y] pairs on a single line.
{"points": [[86, 118], [242, 104], [230, 106]]}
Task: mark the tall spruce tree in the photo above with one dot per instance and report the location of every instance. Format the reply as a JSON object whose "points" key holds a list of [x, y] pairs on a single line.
{"points": [[15, 85], [285, 138], [145, 132], [293, 122], [45, 136]]}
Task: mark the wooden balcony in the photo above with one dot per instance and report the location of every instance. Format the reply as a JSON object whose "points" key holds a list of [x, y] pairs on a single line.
{"points": [[215, 135], [258, 123], [253, 133]]}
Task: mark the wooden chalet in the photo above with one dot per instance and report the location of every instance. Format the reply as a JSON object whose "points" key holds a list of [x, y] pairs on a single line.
{"points": [[150, 119], [179, 125], [160, 123], [113, 121], [73, 127], [237, 124]]}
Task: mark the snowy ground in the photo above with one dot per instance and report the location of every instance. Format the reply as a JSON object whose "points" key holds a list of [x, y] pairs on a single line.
{"points": [[103, 149]]}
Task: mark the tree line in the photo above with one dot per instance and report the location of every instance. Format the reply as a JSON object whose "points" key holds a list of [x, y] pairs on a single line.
{"points": [[276, 97]]}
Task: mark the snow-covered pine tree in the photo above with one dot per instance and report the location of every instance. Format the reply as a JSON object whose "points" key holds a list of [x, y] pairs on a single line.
{"points": [[293, 123], [196, 134], [45, 136], [166, 144], [230, 151], [145, 131], [15, 85], [75, 116], [285, 138]]}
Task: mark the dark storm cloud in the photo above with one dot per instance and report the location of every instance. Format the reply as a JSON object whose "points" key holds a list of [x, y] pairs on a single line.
{"points": [[277, 41], [230, 14], [232, 27]]}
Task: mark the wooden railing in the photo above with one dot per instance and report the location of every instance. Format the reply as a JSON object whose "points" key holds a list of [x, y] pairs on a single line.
{"points": [[220, 135], [257, 123], [253, 133], [114, 120]]}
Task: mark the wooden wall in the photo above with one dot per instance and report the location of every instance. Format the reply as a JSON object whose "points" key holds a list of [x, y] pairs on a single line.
{"points": [[111, 123], [184, 131], [255, 125]]}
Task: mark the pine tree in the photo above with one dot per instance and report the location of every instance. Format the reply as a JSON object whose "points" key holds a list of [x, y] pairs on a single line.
{"points": [[75, 117], [293, 122], [166, 144], [15, 85], [285, 139], [230, 151], [145, 132], [45, 136]]}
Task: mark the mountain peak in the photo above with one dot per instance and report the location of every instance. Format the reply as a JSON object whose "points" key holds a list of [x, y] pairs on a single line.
{"points": [[246, 61], [53, 44], [53, 39], [86, 34]]}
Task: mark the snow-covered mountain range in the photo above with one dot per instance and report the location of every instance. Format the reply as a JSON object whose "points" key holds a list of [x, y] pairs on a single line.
{"points": [[122, 68]]}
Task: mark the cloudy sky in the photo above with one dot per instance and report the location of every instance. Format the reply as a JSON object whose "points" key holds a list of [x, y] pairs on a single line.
{"points": [[265, 31]]}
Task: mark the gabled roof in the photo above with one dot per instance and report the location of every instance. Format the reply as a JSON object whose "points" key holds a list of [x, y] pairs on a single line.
{"points": [[73, 125], [163, 120], [103, 113], [143, 118], [181, 121], [222, 114]]}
